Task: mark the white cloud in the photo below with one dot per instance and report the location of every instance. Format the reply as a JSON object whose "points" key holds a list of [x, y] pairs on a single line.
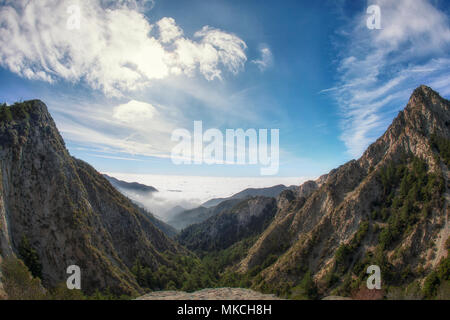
{"points": [[116, 49], [114, 157], [191, 191], [266, 59], [133, 128], [416, 21], [168, 30], [378, 69], [134, 111]]}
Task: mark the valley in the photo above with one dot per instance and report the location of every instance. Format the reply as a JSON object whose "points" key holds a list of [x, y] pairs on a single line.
{"points": [[388, 208]]}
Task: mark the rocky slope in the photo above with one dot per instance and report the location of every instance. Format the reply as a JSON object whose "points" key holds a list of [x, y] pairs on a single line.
{"points": [[365, 212], [66, 211]]}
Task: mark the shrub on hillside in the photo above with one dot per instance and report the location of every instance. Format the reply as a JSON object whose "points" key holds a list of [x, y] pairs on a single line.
{"points": [[18, 282]]}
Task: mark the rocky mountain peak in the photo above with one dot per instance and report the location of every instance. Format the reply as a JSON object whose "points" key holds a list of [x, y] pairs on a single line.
{"points": [[385, 208], [426, 113]]}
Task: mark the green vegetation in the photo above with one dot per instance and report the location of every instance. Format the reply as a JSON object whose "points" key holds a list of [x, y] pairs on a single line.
{"points": [[437, 282], [190, 273], [345, 253], [17, 111], [306, 289], [417, 192], [218, 261], [442, 146], [20, 284], [30, 257], [410, 192], [186, 273], [5, 113]]}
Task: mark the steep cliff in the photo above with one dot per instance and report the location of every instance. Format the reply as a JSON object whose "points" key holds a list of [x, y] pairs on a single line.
{"points": [[66, 211]]}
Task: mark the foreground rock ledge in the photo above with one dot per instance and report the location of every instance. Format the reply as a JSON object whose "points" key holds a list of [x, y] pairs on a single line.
{"points": [[210, 294]]}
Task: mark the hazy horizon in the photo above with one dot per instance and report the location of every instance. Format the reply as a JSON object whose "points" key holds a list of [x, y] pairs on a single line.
{"points": [[191, 191]]}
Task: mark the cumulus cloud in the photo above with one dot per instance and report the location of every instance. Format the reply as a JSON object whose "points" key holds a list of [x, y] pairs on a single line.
{"points": [[116, 49], [265, 60], [378, 69], [168, 30], [134, 111]]}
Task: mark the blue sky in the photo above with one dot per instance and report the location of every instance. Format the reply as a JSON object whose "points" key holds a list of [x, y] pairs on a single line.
{"points": [[134, 71]]}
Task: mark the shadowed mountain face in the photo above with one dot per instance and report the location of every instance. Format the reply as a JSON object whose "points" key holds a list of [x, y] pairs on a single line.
{"points": [[245, 219], [186, 218], [68, 212], [389, 208]]}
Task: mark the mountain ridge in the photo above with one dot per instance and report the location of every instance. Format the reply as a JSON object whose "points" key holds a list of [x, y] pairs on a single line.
{"points": [[332, 215]]}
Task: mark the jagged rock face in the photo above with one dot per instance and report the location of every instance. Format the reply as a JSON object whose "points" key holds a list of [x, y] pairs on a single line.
{"points": [[426, 113], [246, 218], [69, 212], [307, 188], [308, 230]]}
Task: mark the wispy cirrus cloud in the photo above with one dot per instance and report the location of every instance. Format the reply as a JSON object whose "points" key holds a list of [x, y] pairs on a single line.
{"points": [[116, 48], [378, 69], [265, 60], [132, 128]]}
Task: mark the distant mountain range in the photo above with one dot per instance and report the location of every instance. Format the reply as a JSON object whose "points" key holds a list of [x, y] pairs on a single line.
{"points": [[250, 192], [130, 186], [181, 218]]}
